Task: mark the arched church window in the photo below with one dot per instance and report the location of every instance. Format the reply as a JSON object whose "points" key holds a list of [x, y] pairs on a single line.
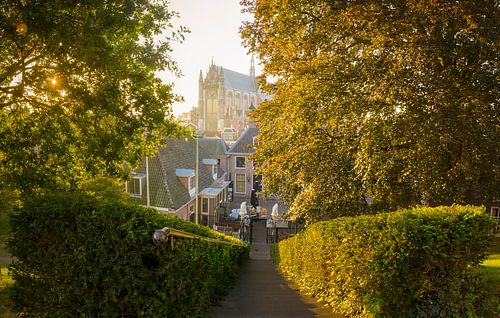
{"points": [[229, 98], [245, 101], [237, 100]]}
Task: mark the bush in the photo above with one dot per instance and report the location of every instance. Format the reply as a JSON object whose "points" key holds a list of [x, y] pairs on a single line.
{"points": [[412, 263], [83, 257]]}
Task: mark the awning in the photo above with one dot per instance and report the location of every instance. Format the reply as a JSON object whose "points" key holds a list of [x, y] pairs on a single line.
{"points": [[215, 190]]}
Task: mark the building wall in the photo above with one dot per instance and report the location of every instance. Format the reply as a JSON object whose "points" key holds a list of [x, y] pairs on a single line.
{"points": [[247, 171]]}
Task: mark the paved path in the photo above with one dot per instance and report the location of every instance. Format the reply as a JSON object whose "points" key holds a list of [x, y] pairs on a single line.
{"points": [[261, 291]]}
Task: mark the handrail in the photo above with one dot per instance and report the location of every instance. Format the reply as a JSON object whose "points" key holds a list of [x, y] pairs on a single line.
{"points": [[163, 235]]}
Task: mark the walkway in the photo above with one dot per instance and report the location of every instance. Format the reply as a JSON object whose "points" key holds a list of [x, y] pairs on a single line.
{"points": [[262, 292]]}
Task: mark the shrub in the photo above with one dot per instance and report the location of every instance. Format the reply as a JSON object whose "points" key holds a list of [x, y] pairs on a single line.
{"points": [[83, 257], [412, 263]]}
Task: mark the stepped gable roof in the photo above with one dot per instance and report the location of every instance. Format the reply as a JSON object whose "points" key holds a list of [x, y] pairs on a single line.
{"points": [[244, 144], [237, 81], [166, 189]]}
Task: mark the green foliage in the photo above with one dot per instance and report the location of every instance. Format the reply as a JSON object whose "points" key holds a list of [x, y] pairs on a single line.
{"points": [[79, 256], [490, 274], [5, 233], [5, 287], [410, 263], [9, 199], [395, 100], [78, 92], [105, 188]]}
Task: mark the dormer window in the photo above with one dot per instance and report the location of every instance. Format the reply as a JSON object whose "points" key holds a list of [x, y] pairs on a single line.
{"points": [[134, 187], [211, 164], [240, 162], [214, 171], [192, 183], [187, 178]]}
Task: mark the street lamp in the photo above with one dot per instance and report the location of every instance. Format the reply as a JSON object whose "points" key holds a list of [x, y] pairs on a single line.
{"points": [[275, 216], [196, 180]]}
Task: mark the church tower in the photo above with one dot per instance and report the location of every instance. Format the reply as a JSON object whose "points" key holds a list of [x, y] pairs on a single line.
{"points": [[199, 123], [252, 72]]}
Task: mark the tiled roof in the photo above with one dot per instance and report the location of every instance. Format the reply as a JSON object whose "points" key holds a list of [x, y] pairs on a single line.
{"points": [[213, 146], [237, 81], [165, 187], [244, 144]]}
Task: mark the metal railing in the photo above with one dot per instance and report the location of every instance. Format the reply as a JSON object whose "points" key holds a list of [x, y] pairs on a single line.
{"points": [[162, 235]]}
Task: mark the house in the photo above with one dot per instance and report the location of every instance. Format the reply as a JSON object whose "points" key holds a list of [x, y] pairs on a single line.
{"points": [[239, 167], [167, 182]]}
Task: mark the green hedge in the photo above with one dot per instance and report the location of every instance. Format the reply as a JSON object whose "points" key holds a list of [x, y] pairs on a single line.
{"points": [[82, 257], [413, 263]]}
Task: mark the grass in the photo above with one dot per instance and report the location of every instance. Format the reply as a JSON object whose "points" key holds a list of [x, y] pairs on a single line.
{"points": [[490, 273], [5, 282]]}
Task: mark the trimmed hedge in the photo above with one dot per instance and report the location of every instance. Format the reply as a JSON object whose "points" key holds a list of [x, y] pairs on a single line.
{"points": [[83, 257], [412, 263]]}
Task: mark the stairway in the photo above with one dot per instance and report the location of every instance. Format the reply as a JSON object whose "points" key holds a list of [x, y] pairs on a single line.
{"points": [[261, 291]]}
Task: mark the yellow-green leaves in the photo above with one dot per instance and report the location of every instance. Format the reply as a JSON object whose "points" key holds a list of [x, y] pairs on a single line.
{"points": [[395, 103], [409, 263]]}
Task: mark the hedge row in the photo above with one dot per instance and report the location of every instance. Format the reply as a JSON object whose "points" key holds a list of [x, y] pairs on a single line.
{"points": [[83, 257], [412, 263]]}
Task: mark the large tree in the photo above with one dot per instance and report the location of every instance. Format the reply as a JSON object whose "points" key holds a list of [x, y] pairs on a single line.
{"points": [[78, 91], [388, 102]]}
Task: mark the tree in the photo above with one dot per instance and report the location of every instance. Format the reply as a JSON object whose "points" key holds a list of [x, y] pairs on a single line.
{"points": [[78, 92], [392, 103]]}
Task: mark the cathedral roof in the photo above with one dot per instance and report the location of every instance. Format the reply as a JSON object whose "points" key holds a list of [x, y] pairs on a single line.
{"points": [[237, 81]]}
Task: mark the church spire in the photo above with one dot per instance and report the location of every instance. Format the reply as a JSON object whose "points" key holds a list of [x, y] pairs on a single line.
{"points": [[252, 68], [200, 79], [252, 73]]}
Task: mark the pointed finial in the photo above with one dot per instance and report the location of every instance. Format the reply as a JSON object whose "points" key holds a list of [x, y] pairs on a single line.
{"points": [[252, 67]]}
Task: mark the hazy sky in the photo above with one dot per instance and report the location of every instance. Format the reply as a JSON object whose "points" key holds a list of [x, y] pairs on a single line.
{"points": [[214, 26]]}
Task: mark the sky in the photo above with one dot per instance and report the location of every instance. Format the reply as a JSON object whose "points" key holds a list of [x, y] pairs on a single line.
{"points": [[214, 26]]}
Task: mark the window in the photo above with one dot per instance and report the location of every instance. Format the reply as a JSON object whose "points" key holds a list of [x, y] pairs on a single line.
{"points": [[240, 183], [240, 162], [214, 171], [495, 212], [134, 187], [192, 183], [204, 205], [192, 216], [204, 220]]}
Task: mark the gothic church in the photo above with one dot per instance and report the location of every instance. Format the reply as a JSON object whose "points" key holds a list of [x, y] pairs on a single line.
{"points": [[225, 98]]}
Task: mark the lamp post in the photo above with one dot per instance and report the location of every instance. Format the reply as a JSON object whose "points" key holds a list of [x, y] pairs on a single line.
{"points": [[243, 213], [275, 216], [148, 202], [196, 181]]}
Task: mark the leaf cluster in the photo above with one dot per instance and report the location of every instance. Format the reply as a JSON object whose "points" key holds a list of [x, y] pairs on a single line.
{"points": [[78, 91], [391, 103], [80, 256], [409, 263]]}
